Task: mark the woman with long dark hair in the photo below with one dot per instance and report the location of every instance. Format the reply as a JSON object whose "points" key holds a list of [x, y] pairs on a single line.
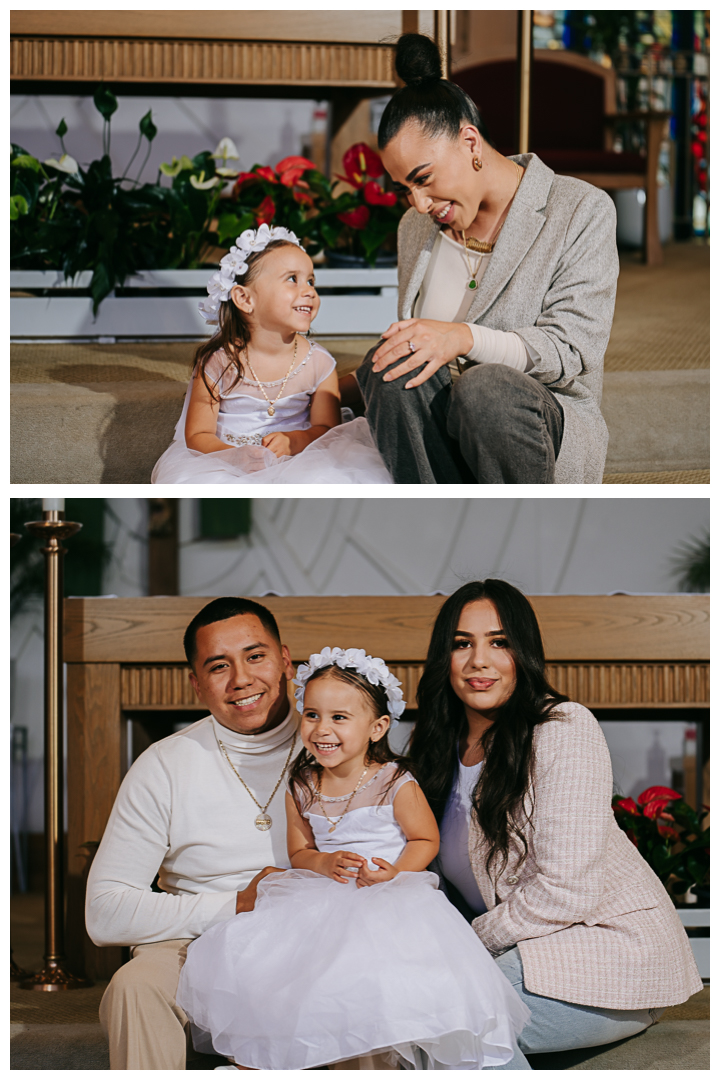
{"points": [[520, 781], [504, 267]]}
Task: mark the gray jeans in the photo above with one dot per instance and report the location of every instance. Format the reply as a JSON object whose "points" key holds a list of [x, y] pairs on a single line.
{"points": [[561, 1025], [496, 425]]}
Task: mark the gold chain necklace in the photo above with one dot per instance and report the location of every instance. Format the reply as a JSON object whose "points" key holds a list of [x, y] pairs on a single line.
{"points": [[271, 404], [334, 824], [263, 821], [485, 247]]}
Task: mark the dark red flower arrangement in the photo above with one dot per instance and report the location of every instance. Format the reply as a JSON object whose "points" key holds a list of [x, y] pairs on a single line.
{"points": [[370, 213], [668, 834], [296, 195], [280, 196]]}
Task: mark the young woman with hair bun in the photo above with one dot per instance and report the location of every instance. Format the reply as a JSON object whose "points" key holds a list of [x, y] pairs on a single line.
{"points": [[520, 782], [507, 274]]}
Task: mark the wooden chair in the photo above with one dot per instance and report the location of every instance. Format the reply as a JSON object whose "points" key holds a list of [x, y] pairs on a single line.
{"points": [[574, 114]]}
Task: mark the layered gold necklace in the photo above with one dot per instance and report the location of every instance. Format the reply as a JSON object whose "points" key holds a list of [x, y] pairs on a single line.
{"points": [[485, 247]]}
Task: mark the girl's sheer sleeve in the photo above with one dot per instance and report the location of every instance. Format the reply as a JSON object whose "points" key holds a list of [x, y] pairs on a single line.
{"points": [[323, 364]]}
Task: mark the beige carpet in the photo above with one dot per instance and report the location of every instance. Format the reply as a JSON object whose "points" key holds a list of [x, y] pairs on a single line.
{"points": [[92, 413], [690, 476], [662, 313]]}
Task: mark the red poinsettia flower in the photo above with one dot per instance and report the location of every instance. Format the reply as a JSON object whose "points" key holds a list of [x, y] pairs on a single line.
{"points": [[657, 792], [304, 198], [265, 211], [375, 195], [625, 804], [356, 219], [290, 169], [668, 832]]}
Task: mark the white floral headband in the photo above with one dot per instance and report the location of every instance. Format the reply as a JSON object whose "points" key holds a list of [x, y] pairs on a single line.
{"points": [[373, 668], [234, 264]]}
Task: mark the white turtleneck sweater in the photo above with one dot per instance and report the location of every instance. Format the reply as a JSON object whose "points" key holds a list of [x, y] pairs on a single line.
{"points": [[181, 810]]}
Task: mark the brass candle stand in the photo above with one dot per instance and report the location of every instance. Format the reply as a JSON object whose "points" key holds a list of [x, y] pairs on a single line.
{"points": [[54, 976]]}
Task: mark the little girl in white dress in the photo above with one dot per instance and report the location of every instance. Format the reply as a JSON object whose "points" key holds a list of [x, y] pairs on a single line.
{"points": [[354, 951], [263, 406]]}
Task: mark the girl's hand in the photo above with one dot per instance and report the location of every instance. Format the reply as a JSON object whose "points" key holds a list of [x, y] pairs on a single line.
{"points": [[343, 865], [436, 344], [279, 443], [387, 871]]}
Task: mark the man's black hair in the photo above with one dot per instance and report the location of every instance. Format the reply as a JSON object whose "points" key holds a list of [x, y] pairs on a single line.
{"points": [[226, 607]]}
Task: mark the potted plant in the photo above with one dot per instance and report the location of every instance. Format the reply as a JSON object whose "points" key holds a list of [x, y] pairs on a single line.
{"points": [[669, 835], [287, 195], [81, 236], [354, 226], [73, 219]]}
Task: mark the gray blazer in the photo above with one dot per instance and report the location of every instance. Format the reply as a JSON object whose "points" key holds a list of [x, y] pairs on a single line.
{"points": [[552, 280]]}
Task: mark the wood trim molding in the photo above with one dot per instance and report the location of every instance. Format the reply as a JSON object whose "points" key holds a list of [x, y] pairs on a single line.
{"points": [[251, 63], [157, 687], [576, 629]]}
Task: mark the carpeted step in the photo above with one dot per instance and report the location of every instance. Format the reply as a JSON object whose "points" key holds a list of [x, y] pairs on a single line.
{"points": [[658, 420], [114, 432]]}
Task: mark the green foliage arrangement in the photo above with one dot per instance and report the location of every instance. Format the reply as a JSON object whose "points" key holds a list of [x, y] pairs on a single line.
{"points": [[69, 218], [669, 835]]}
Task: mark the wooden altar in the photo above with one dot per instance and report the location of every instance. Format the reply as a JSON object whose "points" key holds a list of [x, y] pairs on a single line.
{"points": [[615, 654]]}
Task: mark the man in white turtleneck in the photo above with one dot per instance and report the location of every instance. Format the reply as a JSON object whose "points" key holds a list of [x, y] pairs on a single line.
{"points": [[194, 807]]}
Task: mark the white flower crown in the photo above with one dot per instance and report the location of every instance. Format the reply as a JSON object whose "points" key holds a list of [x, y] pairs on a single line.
{"points": [[373, 668], [234, 264]]}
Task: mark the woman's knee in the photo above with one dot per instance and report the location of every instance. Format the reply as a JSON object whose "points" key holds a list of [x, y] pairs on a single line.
{"points": [[485, 386]]}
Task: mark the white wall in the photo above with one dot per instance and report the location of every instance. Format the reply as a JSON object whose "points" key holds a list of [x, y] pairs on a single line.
{"points": [[418, 546], [264, 130]]}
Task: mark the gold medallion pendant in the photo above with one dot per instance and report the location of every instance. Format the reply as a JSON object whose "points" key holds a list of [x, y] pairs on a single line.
{"points": [[263, 822]]}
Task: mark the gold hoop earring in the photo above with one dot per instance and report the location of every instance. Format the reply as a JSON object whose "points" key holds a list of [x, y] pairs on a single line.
{"points": [[477, 164]]}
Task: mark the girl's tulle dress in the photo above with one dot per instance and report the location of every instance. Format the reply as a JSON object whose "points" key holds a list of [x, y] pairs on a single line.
{"points": [[344, 455], [321, 972]]}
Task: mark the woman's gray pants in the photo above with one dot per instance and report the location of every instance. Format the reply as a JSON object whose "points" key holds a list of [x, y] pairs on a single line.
{"points": [[560, 1025], [496, 425]]}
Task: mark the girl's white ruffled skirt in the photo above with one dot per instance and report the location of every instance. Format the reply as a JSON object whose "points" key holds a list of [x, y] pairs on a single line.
{"points": [[344, 455], [321, 972]]}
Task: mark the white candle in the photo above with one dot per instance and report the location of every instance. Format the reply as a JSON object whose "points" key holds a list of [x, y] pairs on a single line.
{"points": [[53, 504]]}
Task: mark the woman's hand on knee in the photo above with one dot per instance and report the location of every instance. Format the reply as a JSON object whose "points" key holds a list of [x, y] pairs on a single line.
{"points": [[421, 341]]}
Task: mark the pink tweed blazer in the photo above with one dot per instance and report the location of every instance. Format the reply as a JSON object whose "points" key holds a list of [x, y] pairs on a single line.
{"points": [[593, 923]]}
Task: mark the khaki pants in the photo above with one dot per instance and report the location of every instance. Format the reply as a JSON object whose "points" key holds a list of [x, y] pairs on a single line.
{"points": [[145, 1028]]}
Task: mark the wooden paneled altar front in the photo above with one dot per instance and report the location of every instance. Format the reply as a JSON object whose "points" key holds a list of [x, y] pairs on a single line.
{"points": [[124, 658]]}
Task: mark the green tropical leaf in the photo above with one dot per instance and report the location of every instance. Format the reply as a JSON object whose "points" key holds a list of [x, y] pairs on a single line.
{"points": [[27, 161], [147, 128], [105, 101], [62, 129], [18, 207]]}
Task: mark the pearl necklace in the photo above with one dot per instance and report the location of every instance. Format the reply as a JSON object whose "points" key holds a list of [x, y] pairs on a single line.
{"points": [[318, 791], [271, 404]]}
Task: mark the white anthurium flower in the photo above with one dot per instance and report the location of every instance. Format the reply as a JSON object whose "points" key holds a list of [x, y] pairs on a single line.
{"points": [[66, 164], [202, 184], [229, 173], [227, 151], [177, 166]]}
